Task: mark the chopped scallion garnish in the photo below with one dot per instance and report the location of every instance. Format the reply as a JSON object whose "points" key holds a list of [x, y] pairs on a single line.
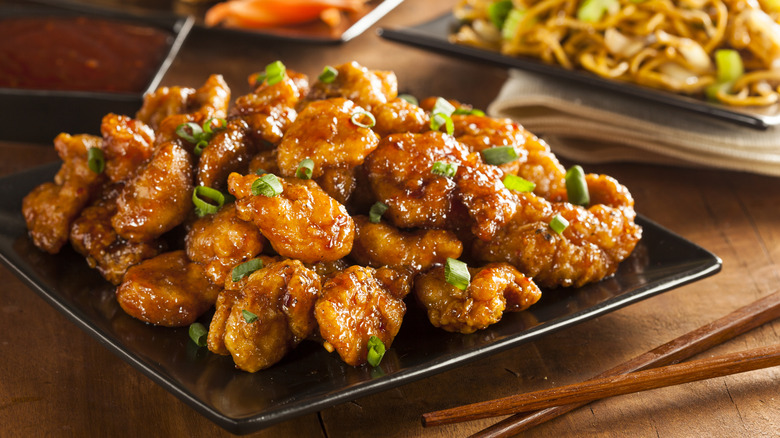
{"points": [[189, 131], [518, 184], [440, 119], [376, 212], [246, 268], [209, 128], [576, 186], [499, 155], [457, 273], [198, 333], [199, 147], [447, 170], [267, 185], [207, 200], [357, 117], [558, 223], [376, 350], [328, 75], [409, 98], [274, 72], [469, 112], [249, 317], [305, 169], [498, 11], [96, 160]]}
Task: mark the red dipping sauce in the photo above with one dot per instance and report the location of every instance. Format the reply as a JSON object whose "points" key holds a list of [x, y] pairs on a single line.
{"points": [[79, 54]]}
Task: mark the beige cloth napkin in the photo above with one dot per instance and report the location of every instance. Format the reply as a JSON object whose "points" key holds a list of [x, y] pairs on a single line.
{"points": [[590, 125]]}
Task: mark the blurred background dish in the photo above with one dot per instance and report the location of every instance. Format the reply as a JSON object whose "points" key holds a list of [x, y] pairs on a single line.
{"points": [[53, 78]]}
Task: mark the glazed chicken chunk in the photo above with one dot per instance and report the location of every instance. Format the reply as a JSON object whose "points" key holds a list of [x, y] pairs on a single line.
{"points": [[167, 290], [356, 305], [127, 144], [271, 313], [301, 222], [494, 289], [367, 88]]}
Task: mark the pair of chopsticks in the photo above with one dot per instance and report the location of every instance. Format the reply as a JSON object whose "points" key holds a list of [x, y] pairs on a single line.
{"points": [[654, 369]]}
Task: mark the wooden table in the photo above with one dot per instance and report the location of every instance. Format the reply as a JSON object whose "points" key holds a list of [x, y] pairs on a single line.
{"points": [[58, 381]]}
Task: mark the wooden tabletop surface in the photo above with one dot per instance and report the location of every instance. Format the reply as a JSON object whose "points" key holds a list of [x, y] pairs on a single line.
{"points": [[59, 381]]}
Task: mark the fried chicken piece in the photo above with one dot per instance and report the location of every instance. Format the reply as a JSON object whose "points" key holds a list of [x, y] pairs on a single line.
{"points": [[158, 198], [481, 190], [163, 102], [381, 244], [398, 116], [271, 314], [92, 236], [127, 144], [230, 150], [326, 133], [596, 240], [478, 133], [399, 171], [367, 88], [354, 306], [167, 290], [493, 290], [50, 209], [222, 241], [302, 222], [543, 169], [264, 162], [269, 110]]}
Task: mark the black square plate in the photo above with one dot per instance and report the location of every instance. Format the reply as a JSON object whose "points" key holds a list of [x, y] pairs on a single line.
{"points": [[310, 379]]}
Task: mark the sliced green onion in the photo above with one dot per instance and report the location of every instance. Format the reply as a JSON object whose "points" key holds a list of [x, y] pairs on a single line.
{"points": [[444, 169], [199, 147], [376, 212], [558, 223], [376, 351], [729, 65], [443, 106], [274, 72], [260, 171], [328, 75], [457, 273], [469, 112], [518, 184], [499, 155], [498, 11], [201, 197], [96, 161], [409, 98], [199, 334], [267, 185], [356, 116], [249, 317], [305, 169], [594, 10], [246, 268], [440, 119], [189, 131], [511, 23], [576, 186], [210, 129]]}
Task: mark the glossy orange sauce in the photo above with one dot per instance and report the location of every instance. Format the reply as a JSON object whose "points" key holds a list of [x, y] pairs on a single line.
{"points": [[79, 54]]}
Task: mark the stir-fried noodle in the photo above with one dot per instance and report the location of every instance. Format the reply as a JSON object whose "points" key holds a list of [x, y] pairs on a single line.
{"points": [[726, 50]]}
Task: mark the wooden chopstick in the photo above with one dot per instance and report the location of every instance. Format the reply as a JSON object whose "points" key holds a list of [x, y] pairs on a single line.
{"points": [[740, 321], [591, 390]]}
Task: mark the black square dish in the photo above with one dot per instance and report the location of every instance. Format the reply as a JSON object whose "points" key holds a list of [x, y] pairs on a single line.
{"points": [[35, 106]]}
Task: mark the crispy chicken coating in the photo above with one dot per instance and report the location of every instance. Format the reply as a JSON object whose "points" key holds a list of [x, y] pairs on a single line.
{"points": [[127, 144], [398, 116], [302, 222], [596, 240], [381, 244], [50, 209], [210, 100], [222, 241], [269, 110], [92, 236], [494, 289], [230, 150], [167, 290], [399, 171], [158, 198], [354, 306], [367, 88], [264, 162], [326, 133], [271, 314], [488, 202]]}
